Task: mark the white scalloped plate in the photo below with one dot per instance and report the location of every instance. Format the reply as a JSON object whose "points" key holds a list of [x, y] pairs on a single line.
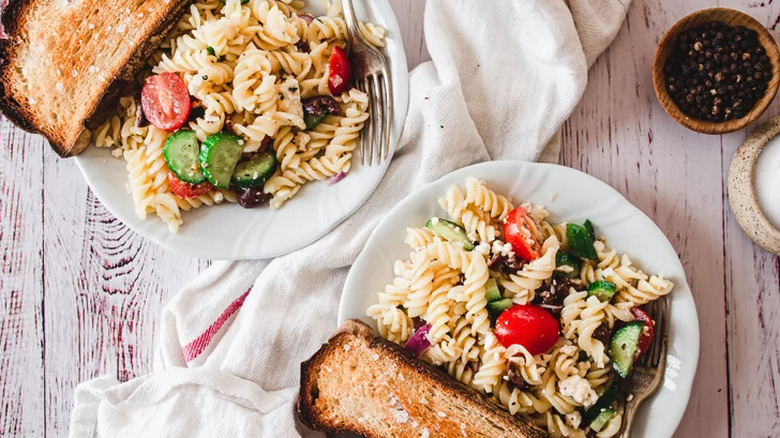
{"points": [[570, 196], [229, 232]]}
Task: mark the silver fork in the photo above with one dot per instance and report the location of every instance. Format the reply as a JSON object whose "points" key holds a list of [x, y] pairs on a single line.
{"points": [[648, 373], [372, 76]]}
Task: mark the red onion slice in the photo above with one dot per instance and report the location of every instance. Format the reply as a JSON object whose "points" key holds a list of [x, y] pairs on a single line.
{"points": [[306, 17], [336, 178], [419, 342]]}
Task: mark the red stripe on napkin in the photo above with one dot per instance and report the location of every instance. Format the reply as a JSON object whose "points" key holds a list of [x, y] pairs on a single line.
{"points": [[196, 347]]}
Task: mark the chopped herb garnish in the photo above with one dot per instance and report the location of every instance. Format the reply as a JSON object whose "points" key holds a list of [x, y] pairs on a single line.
{"points": [[210, 51]]}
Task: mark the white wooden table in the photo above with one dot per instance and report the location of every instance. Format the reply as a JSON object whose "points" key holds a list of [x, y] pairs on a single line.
{"points": [[80, 292]]}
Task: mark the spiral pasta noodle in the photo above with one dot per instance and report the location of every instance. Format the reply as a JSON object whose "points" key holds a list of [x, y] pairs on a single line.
{"points": [[247, 64], [445, 283]]}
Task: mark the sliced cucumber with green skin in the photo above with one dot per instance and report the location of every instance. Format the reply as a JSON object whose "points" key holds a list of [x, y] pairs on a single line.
{"points": [[624, 346], [181, 153], [601, 421], [588, 225], [218, 157], [566, 259], [450, 231], [491, 290], [580, 243], [256, 171], [311, 120], [496, 307], [603, 403], [603, 290]]}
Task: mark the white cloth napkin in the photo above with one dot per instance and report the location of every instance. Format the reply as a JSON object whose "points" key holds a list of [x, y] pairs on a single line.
{"points": [[505, 75]]}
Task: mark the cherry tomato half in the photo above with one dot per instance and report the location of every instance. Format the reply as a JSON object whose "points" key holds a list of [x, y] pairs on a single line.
{"points": [[528, 325], [647, 334], [520, 231], [165, 101], [186, 190], [340, 72]]}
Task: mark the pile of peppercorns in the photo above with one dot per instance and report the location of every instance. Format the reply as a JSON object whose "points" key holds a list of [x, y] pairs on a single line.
{"points": [[717, 72]]}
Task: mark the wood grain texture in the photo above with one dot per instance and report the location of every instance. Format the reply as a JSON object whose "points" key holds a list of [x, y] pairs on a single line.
{"points": [[752, 283], [80, 292], [104, 287], [22, 381]]}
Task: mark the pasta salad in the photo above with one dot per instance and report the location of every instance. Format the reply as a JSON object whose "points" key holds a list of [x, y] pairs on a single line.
{"points": [[543, 318], [246, 101]]}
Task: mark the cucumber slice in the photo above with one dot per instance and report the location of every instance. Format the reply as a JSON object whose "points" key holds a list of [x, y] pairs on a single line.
{"points": [[255, 172], [580, 243], [603, 290], [450, 231], [311, 120], [601, 421], [491, 290], [496, 307], [602, 404], [181, 153], [589, 226], [624, 346], [566, 259], [218, 157]]}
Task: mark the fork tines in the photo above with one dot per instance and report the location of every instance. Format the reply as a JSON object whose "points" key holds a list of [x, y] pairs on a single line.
{"points": [[377, 131], [658, 312], [372, 76]]}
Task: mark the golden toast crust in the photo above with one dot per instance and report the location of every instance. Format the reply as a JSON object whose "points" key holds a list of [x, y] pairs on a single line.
{"points": [[65, 61], [366, 385]]}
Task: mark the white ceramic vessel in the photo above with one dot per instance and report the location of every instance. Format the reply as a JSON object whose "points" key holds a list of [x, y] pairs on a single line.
{"points": [[570, 196], [229, 232]]}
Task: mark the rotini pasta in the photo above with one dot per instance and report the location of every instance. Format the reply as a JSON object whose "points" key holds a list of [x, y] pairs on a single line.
{"points": [[449, 283], [248, 66]]}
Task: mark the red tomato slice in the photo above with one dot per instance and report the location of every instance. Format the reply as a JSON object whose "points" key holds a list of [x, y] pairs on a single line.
{"points": [[647, 335], [186, 190], [520, 231], [165, 101], [340, 72], [528, 325]]}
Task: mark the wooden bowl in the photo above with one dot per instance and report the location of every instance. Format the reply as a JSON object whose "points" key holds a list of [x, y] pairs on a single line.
{"points": [[730, 17]]}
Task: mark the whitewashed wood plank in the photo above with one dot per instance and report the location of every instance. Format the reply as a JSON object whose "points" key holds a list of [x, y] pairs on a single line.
{"points": [[620, 134], [104, 298], [753, 332], [753, 298], [21, 314], [410, 19], [752, 281]]}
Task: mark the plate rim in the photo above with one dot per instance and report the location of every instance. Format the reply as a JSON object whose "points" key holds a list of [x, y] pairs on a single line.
{"points": [[406, 203], [400, 105]]}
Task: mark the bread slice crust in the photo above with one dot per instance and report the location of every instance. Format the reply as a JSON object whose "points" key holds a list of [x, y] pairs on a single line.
{"points": [[404, 396], [65, 62]]}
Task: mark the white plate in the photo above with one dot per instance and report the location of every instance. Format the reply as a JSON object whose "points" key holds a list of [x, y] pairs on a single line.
{"points": [[577, 197], [229, 232]]}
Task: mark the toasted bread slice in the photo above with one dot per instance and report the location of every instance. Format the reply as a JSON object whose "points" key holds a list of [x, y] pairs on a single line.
{"points": [[65, 61], [366, 385]]}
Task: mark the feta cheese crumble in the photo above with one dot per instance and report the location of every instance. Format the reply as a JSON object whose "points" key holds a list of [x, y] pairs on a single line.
{"points": [[578, 389]]}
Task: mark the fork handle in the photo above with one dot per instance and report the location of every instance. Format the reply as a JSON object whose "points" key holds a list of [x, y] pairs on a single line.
{"points": [[628, 418], [351, 19]]}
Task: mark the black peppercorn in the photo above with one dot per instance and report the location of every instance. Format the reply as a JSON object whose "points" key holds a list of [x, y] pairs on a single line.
{"points": [[717, 72]]}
